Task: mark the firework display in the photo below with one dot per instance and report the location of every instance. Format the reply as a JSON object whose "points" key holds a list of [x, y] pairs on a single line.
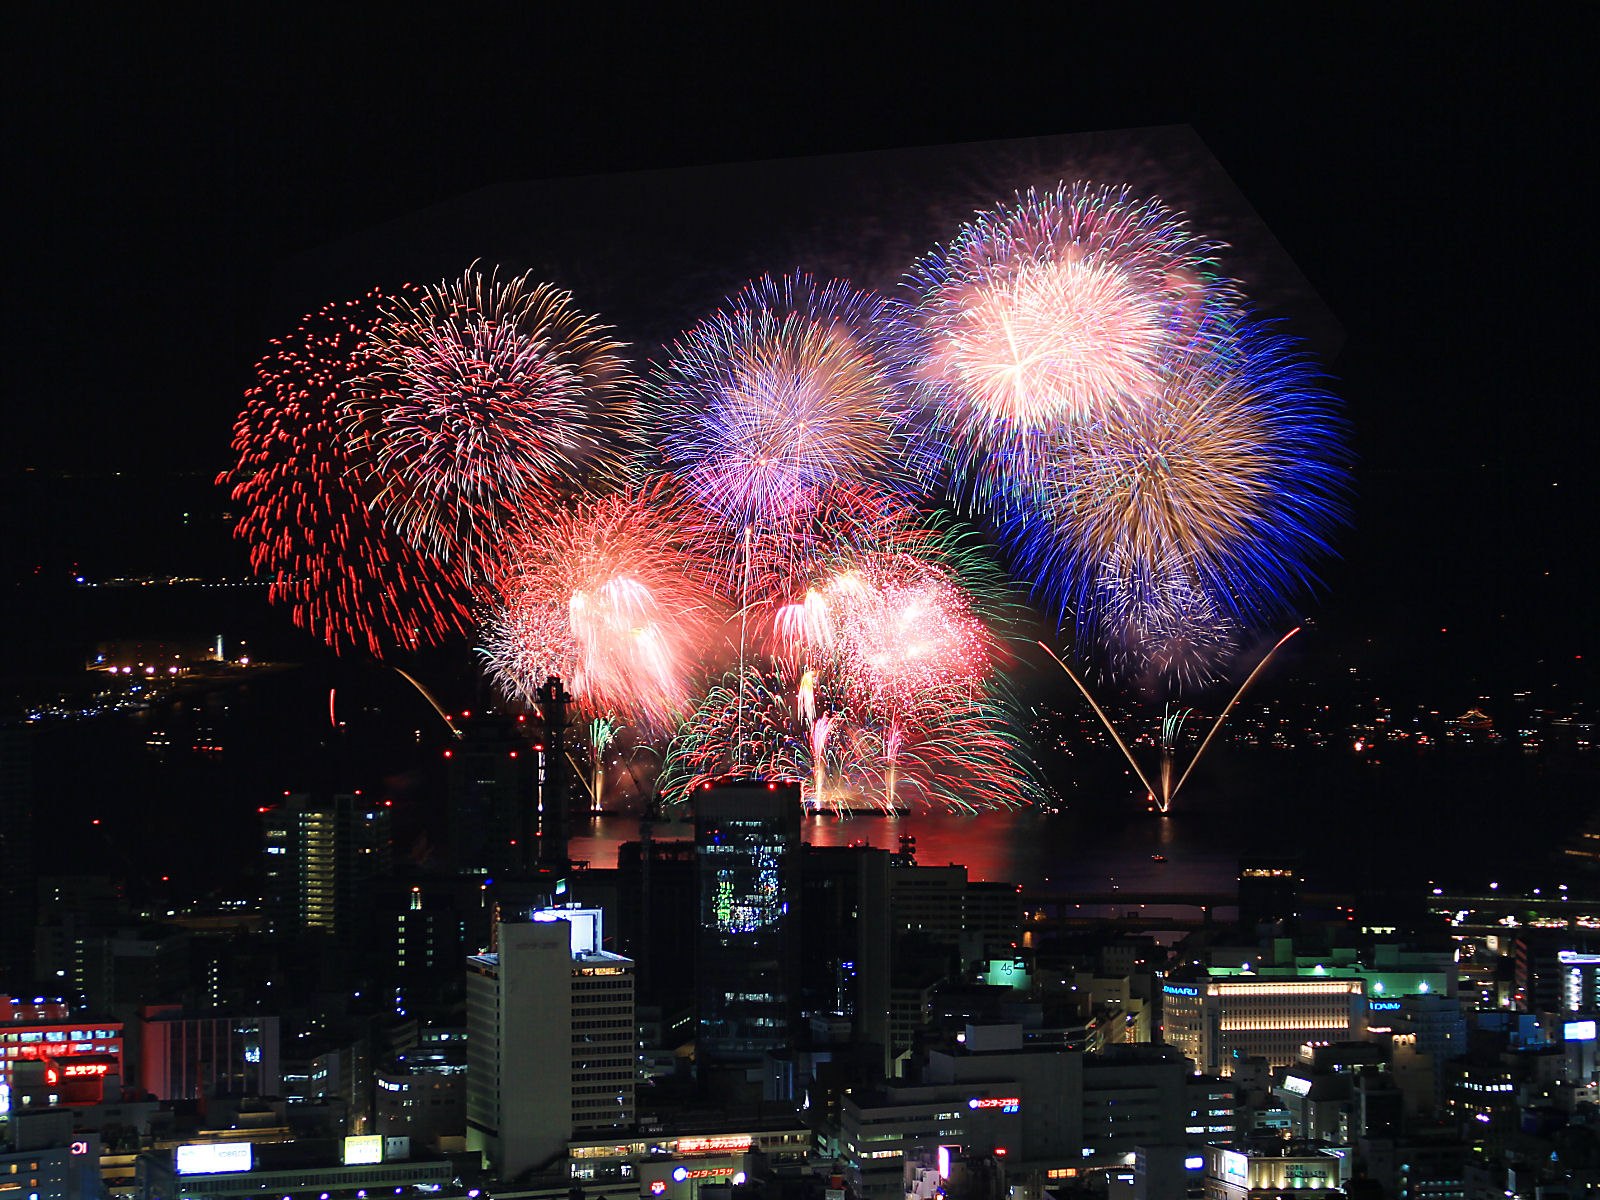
{"points": [[1058, 310], [1235, 470], [750, 560], [785, 414], [309, 524], [606, 595], [485, 400]]}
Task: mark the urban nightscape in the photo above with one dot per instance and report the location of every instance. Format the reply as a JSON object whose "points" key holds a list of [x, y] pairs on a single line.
{"points": [[613, 607]]}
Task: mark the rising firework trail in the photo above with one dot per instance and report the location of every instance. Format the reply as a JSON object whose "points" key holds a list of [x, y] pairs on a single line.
{"points": [[1171, 725], [454, 729], [1104, 720], [1223, 715]]}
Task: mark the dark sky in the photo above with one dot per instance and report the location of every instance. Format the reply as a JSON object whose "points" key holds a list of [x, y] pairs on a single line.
{"points": [[1426, 172]]}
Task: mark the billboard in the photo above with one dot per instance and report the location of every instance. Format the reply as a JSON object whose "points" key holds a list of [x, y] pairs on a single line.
{"points": [[1578, 1031], [1235, 1168], [213, 1158], [363, 1148]]}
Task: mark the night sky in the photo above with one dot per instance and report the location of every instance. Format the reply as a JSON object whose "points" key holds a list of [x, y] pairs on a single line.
{"points": [[173, 183]]}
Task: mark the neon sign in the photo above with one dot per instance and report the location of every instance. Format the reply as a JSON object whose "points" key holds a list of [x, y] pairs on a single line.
{"points": [[1178, 989], [715, 1145], [72, 1069], [1003, 1103]]}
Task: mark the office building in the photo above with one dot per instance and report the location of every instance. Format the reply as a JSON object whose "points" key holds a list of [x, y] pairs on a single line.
{"points": [[78, 1057], [845, 938], [322, 857], [184, 1056], [551, 1035], [747, 953], [1217, 1022], [424, 924], [492, 778]]}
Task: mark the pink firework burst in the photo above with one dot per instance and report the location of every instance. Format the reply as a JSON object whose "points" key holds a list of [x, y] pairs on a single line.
{"points": [[1057, 310], [610, 596], [486, 401]]}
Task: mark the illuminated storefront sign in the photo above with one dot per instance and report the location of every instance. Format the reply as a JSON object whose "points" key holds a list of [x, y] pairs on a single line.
{"points": [[367, 1148], [1578, 1031], [679, 1174], [213, 1158], [1572, 958], [734, 1142], [1195, 1162], [1384, 1005], [1235, 1168], [1003, 1103], [1179, 989], [1293, 1083], [78, 1069]]}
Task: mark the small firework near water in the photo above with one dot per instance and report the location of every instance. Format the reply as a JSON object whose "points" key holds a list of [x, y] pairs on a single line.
{"points": [[608, 596], [1059, 309], [485, 400], [310, 527]]}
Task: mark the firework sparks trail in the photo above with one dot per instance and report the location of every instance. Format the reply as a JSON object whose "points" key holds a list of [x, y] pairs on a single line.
{"points": [[1157, 625], [791, 390], [1171, 727], [485, 401], [966, 760], [900, 630], [308, 522], [1228, 708], [602, 732]]}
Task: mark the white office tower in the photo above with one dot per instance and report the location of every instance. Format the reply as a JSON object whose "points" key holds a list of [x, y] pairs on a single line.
{"points": [[551, 1041]]}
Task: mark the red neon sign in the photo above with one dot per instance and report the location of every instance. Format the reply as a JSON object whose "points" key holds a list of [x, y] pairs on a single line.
{"points": [[85, 1069], [1011, 1102], [714, 1145]]}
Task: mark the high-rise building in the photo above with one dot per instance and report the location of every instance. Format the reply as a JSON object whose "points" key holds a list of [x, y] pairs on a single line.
{"points": [[1269, 893], [423, 932], [846, 937], [747, 955], [551, 1051], [492, 777], [322, 857]]}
